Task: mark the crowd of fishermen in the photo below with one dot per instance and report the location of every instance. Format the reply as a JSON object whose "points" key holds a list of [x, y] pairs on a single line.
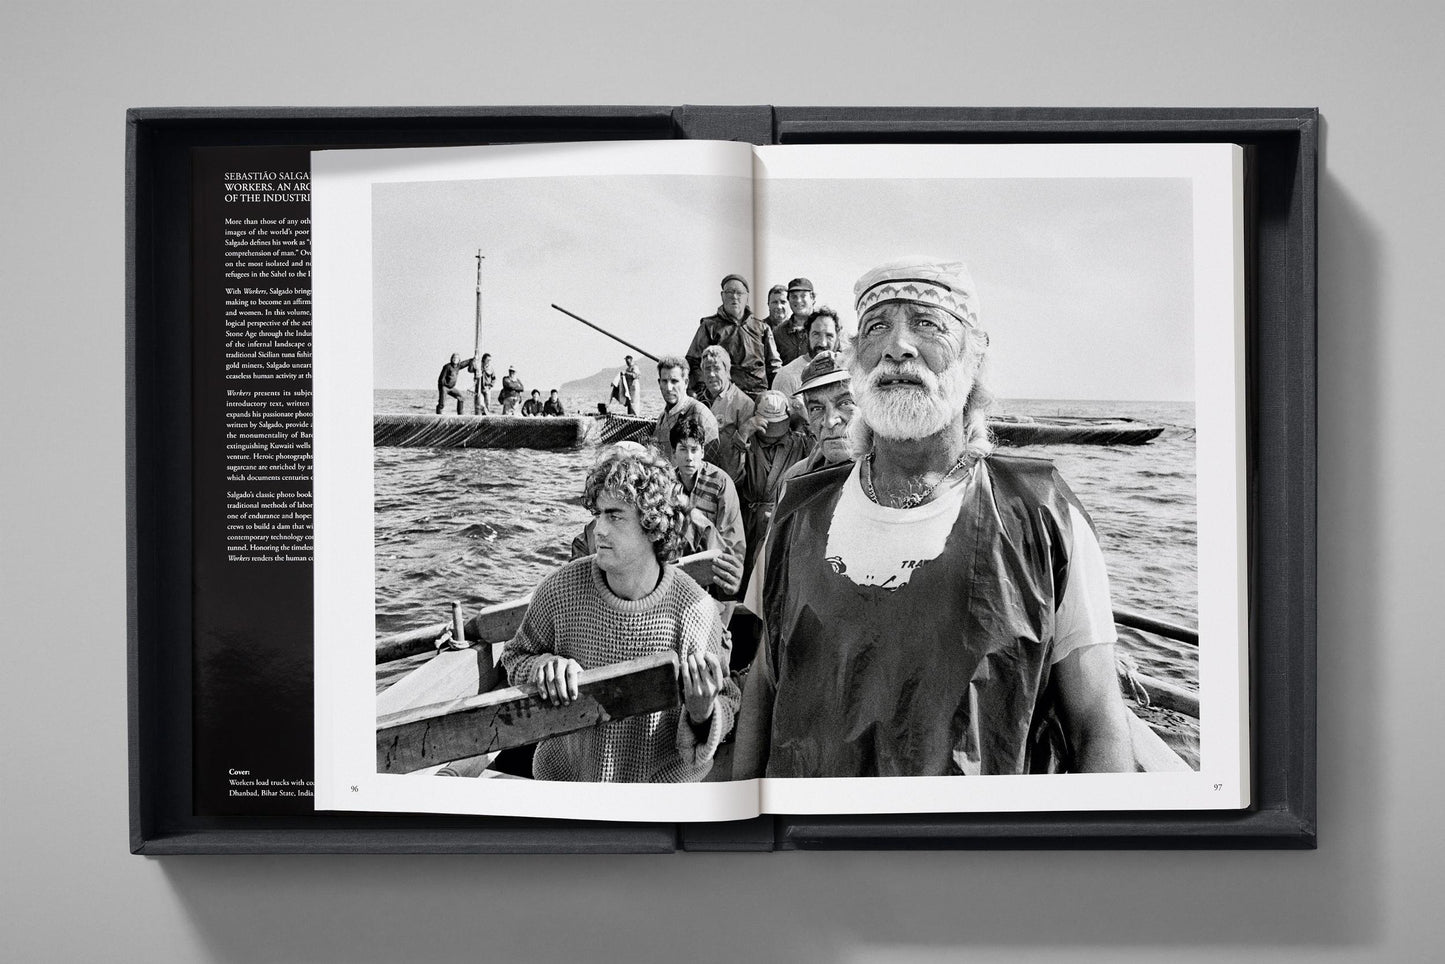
{"points": [[511, 400], [890, 597]]}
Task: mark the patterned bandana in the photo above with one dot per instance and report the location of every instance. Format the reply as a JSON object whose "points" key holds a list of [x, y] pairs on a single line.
{"points": [[945, 285]]}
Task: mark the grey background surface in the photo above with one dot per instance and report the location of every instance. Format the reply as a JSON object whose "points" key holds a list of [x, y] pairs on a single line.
{"points": [[69, 889]]}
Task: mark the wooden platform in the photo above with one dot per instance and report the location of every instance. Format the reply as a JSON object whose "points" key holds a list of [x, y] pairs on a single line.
{"points": [[481, 431]]}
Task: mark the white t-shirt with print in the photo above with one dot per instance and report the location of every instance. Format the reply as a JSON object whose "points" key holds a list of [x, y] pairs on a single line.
{"points": [[877, 546]]}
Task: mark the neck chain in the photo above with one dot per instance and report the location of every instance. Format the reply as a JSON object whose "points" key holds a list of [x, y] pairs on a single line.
{"points": [[966, 458]]}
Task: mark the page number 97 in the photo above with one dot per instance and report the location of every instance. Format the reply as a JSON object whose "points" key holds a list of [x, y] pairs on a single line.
{"points": [[1217, 786]]}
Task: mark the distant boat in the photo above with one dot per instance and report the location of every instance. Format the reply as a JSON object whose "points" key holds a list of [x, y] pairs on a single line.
{"points": [[1071, 430]]}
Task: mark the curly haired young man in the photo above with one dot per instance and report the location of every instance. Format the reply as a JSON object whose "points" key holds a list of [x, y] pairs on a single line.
{"points": [[620, 604]]}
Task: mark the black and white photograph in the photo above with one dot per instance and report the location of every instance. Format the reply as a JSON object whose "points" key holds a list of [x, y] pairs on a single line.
{"points": [[706, 476]]}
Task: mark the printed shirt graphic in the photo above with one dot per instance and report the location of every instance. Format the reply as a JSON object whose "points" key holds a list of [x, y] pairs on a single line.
{"points": [[877, 546]]}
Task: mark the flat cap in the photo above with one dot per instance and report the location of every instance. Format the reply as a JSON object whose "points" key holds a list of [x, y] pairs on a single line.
{"points": [[824, 369]]}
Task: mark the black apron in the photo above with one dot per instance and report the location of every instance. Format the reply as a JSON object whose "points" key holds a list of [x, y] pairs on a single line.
{"points": [[948, 674]]}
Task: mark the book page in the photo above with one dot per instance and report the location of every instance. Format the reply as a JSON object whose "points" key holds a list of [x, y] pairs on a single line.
{"points": [[1108, 283], [251, 509], [1105, 286], [424, 262]]}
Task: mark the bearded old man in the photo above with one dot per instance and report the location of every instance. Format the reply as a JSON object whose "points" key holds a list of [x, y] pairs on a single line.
{"points": [[934, 608]]}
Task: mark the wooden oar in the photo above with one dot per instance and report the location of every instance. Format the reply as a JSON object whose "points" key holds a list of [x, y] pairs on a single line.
{"points": [[573, 315], [1158, 627], [515, 716]]}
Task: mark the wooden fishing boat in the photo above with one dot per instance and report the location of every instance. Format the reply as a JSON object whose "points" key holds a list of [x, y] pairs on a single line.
{"points": [[1015, 430], [1011, 431], [481, 431], [448, 715]]}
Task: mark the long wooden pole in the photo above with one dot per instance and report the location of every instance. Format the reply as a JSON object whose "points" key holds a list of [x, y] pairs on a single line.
{"points": [[641, 351], [477, 344]]}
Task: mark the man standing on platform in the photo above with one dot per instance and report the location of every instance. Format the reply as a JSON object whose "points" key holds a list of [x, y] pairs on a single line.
{"points": [[747, 339], [934, 608], [792, 334], [447, 383], [511, 394], [629, 384], [484, 379], [624, 386]]}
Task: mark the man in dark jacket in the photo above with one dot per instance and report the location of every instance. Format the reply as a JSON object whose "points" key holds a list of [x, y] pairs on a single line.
{"points": [[747, 339], [511, 394], [447, 383], [791, 334]]}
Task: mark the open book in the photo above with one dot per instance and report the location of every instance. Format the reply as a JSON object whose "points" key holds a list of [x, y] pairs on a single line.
{"points": [[1105, 283]]}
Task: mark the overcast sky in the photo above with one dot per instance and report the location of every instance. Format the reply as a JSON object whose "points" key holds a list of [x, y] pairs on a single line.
{"points": [[1086, 285]]}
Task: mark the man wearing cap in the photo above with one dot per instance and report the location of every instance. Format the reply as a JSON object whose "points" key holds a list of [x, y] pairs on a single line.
{"points": [[792, 333], [746, 338], [934, 608], [732, 409], [768, 454], [676, 403], [827, 398], [512, 391], [824, 334]]}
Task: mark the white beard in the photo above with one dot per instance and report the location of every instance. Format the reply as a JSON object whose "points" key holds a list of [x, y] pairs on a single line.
{"points": [[913, 413]]}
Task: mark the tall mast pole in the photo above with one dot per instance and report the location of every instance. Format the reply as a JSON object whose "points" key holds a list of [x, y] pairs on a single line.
{"points": [[477, 344]]}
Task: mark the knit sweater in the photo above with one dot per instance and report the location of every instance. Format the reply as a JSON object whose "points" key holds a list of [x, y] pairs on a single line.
{"points": [[574, 614]]}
